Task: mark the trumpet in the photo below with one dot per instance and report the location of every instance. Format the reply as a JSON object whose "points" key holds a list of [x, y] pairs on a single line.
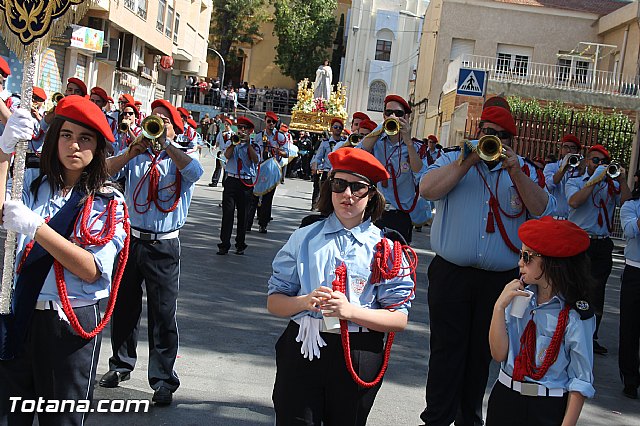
{"points": [[235, 139], [57, 97], [123, 127], [490, 148], [152, 128], [391, 126], [574, 160], [353, 140], [613, 170]]}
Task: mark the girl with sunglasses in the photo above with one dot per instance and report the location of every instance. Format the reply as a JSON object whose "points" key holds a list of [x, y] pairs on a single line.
{"points": [[340, 268], [546, 355]]}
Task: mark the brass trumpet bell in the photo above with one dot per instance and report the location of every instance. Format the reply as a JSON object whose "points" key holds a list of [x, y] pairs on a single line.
{"points": [[235, 139], [574, 160], [57, 97], [490, 148], [613, 170], [123, 127], [391, 126], [353, 140], [152, 127]]}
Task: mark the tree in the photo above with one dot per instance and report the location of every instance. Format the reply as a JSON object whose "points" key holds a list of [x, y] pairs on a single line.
{"points": [[305, 31], [233, 23]]}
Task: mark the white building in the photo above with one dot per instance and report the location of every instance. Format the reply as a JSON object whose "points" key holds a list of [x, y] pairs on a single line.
{"points": [[383, 40]]}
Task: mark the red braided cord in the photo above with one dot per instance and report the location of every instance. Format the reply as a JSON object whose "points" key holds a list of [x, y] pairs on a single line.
{"points": [[380, 268], [525, 362], [153, 175], [248, 185], [397, 197], [122, 261]]}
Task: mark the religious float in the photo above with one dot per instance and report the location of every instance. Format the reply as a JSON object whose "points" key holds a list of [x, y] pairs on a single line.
{"points": [[315, 114]]}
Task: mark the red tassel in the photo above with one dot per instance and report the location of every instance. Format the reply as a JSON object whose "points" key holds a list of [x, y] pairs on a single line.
{"points": [[490, 229], [600, 218]]}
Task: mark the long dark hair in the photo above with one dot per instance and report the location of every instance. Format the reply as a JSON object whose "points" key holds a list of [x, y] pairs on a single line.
{"points": [[93, 177], [374, 209], [570, 277]]}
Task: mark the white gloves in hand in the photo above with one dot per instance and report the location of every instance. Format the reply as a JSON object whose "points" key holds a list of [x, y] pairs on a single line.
{"points": [[599, 174], [309, 335], [19, 126], [21, 219]]}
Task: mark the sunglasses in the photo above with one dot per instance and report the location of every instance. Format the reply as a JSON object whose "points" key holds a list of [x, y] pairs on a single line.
{"points": [[122, 102], [570, 147], [527, 256], [270, 122], [337, 127], [242, 127], [501, 134], [396, 112], [597, 160], [128, 113], [358, 189]]}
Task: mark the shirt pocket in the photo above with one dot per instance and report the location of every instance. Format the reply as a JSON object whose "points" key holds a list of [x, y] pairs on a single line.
{"points": [[359, 287], [514, 203]]}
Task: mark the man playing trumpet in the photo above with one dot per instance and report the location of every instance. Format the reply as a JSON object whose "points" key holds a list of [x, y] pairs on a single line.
{"points": [[592, 199], [557, 173], [393, 147], [480, 205]]}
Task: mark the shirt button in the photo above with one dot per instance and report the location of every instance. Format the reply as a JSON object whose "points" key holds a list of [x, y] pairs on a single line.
{"points": [[483, 236], [479, 254]]}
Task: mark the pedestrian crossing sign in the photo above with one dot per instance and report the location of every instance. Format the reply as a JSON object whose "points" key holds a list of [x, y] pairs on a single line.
{"points": [[471, 82]]}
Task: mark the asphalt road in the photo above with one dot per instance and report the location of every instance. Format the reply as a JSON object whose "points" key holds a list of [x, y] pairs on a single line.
{"points": [[227, 360]]}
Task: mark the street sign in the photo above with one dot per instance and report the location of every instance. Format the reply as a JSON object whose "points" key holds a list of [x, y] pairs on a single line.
{"points": [[471, 82]]}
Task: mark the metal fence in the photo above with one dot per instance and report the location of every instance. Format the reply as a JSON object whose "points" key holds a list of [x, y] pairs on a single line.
{"points": [[280, 101]]}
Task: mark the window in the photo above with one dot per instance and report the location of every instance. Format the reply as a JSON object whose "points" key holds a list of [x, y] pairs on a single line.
{"points": [[461, 48], [582, 71], [162, 5], [521, 65], [142, 9], [176, 27], [513, 60], [383, 50], [504, 63], [130, 4], [377, 93], [564, 69], [169, 26]]}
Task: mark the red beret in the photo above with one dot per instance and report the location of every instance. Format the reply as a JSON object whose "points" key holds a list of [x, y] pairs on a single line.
{"points": [[367, 124], [554, 238], [501, 117], [497, 101], [138, 103], [191, 122], [601, 149], [100, 92], [128, 98], [272, 115], [184, 111], [400, 100], [110, 99], [80, 110], [572, 139], [360, 162], [337, 120], [244, 121], [346, 131], [360, 115], [135, 109], [284, 128], [228, 121], [78, 83], [4, 68], [174, 115], [433, 138], [39, 93]]}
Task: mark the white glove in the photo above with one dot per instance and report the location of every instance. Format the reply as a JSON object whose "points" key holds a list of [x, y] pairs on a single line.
{"points": [[599, 174], [309, 335], [565, 161], [19, 126], [21, 219]]}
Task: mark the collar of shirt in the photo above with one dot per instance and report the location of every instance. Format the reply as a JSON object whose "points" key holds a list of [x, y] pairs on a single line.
{"points": [[332, 225], [534, 299]]}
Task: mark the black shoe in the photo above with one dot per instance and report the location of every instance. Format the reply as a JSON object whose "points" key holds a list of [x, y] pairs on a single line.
{"points": [[111, 379], [213, 185], [162, 396], [263, 230], [222, 252], [630, 391], [599, 349], [418, 228], [240, 251]]}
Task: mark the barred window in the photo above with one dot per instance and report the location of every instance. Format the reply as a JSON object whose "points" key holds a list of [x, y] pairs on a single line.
{"points": [[377, 93]]}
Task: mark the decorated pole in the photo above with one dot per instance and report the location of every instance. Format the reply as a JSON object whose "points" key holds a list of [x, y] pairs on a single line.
{"points": [[27, 27]]}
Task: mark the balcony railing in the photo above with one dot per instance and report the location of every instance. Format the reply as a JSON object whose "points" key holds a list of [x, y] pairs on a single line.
{"points": [[559, 76]]}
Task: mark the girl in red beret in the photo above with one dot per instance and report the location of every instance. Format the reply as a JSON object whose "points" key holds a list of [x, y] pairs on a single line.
{"points": [[340, 268], [72, 245], [544, 343]]}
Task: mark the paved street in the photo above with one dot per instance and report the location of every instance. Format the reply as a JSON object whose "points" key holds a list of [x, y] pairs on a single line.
{"points": [[227, 361]]}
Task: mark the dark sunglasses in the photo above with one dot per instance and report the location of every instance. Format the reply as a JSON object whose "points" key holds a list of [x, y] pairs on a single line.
{"points": [[122, 102], [570, 147], [243, 127], [270, 122], [527, 256], [358, 189], [598, 160], [337, 127], [396, 112], [502, 134], [128, 113]]}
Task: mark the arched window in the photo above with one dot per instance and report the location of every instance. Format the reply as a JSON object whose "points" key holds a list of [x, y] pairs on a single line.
{"points": [[377, 93]]}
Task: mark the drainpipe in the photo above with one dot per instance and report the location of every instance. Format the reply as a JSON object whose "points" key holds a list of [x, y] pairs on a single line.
{"points": [[623, 52]]}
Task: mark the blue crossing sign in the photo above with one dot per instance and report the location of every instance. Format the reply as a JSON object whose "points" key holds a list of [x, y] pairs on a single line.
{"points": [[471, 82]]}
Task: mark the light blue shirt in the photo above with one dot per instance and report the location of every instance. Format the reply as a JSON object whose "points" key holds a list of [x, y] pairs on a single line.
{"points": [[586, 215], [458, 231], [309, 259], [557, 191], [248, 167], [395, 158], [47, 204], [629, 214], [573, 370], [154, 220], [275, 141], [321, 159]]}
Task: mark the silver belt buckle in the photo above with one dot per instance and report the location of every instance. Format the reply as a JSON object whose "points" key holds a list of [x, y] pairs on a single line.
{"points": [[529, 389]]}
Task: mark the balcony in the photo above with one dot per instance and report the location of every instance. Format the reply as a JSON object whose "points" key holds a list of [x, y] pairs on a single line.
{"points": [[560, 76]]}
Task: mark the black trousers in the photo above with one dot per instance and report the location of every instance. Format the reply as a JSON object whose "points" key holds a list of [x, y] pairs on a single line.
{"points": [[398, 221], [318, 180], [508, 408], [600, 252], [322, 391], [461, 301], [157, 264], [56, 364], [215, 178], [261, 205], [629, 346], [236, 196]]}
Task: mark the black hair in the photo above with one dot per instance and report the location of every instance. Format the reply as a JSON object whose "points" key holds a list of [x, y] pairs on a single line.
{"points": [[93, 176], [375, 205], [570, 277]]}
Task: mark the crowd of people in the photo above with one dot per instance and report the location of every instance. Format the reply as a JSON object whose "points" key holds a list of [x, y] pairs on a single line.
{"points": [[522, 280]]}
